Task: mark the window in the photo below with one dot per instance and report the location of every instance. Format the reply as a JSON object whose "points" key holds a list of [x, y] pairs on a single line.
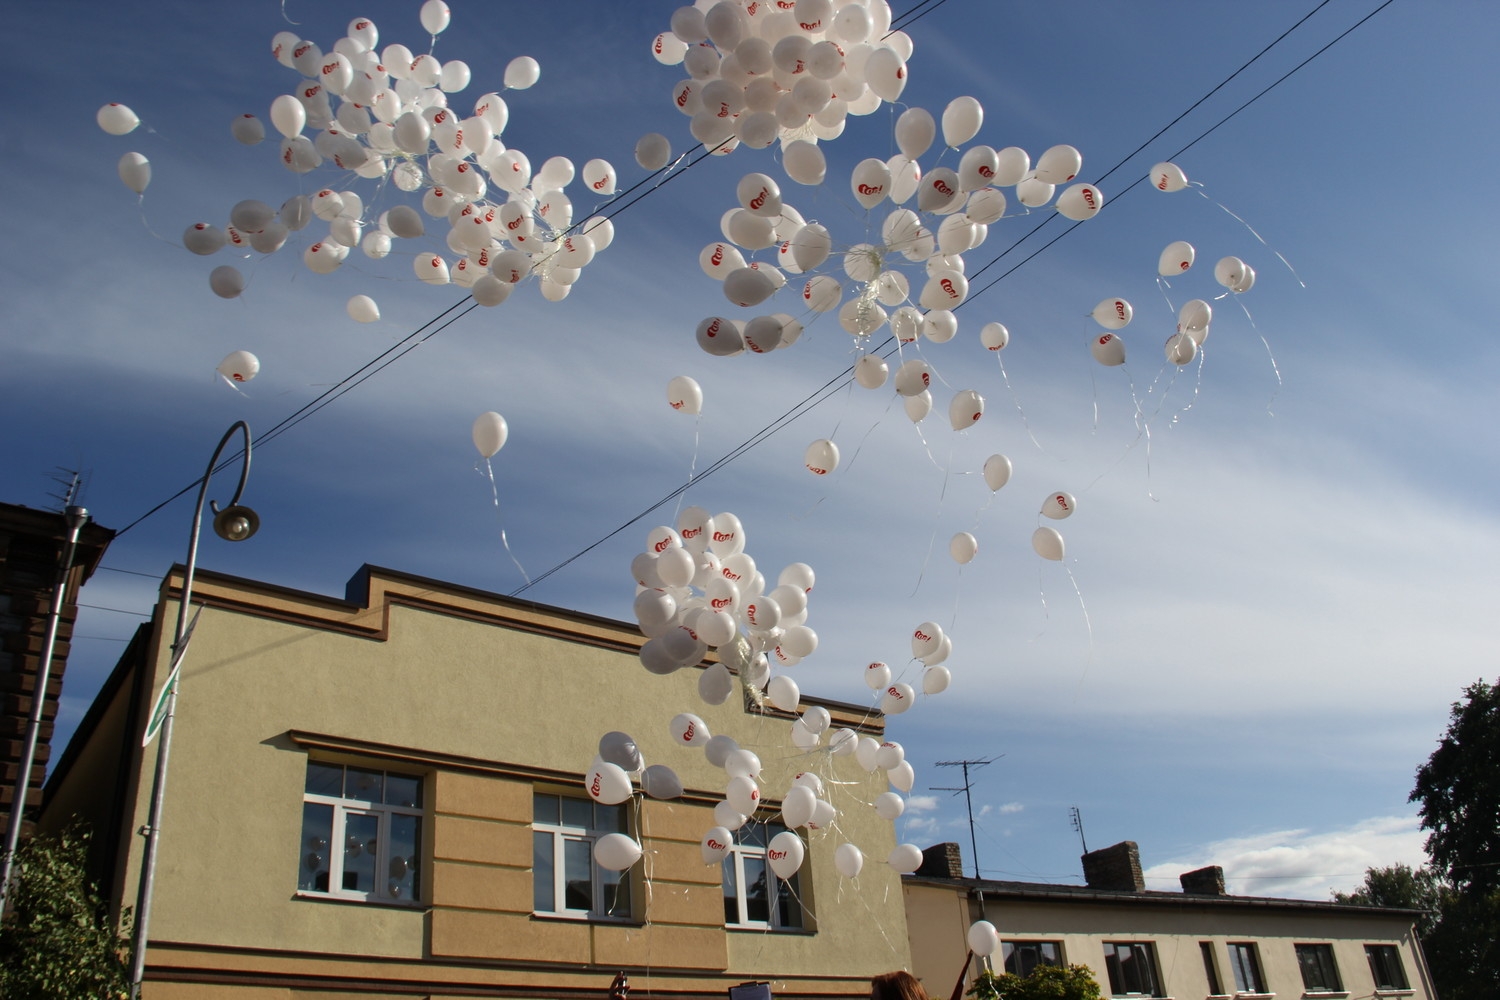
{"points": [[361, 834], [1021, 957], [1132, 969], [1319, 973], [1246, 965], [753, 895], [1385, 966], [566, 880], [1211, 969]]}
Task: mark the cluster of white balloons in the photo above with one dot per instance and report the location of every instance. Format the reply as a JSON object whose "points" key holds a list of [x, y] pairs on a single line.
{"points": [[384, 116], [785, 70]]}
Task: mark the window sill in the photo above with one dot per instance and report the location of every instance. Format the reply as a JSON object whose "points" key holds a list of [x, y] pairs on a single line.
{"points": [[1325, 994], [1395, 993], [583, 918], [765, 929], [385, 904]]}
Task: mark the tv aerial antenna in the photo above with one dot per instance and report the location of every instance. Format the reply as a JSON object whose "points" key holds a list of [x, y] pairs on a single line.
{"points": [[966, 765]]}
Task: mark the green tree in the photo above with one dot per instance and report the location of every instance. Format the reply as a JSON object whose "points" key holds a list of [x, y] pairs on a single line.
{"points": [[1404, 887], [1459, 789], [56, 943], [1046, 982]]}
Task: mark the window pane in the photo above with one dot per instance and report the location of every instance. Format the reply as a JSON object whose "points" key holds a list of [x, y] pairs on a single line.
{"points": [[757, 902], [578, 873], [1242, 960], [363, 785], [1211, 968], [544, 809], [1022, 957], [731, 891], [403, 877], [752, 834], [1318, 969], [616, 887], [609, 819], [788, 907], [578, 813], [1385, 966], [403, 790], [325, 779], [361, 846], [317, 830], [542, 871], [1131, 968]]}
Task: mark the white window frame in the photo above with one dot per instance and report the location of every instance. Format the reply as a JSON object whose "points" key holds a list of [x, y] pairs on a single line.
{"points": [[735, 862], [342, 809], [563, 834], [1249, 974]]}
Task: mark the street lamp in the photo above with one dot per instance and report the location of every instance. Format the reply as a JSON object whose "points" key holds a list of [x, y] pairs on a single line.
{"points": [[233, 523]]}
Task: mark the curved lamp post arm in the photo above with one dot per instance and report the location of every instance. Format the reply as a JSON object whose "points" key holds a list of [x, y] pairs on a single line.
{"points": [[234, 523]]}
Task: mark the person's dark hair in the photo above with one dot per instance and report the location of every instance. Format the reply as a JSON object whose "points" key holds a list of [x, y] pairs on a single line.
{"points": [[898, 985]]}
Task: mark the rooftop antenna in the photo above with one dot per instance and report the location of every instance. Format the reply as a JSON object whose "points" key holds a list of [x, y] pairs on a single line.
{"points": [[968, 799], [1077, 818], [70, 482]]}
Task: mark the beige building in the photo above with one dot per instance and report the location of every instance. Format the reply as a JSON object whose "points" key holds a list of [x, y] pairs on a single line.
{"points": [[1196, 943], [384, 796]]}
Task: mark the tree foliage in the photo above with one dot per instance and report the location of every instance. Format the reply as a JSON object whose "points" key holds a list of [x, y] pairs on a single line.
{"points": [[1459, 788], [1046, 982], [1404, 887], [56, 943]]}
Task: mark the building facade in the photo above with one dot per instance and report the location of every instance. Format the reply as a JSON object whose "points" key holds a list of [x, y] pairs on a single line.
{"points": [[385, 796], [1200, 942], [32, 545]]}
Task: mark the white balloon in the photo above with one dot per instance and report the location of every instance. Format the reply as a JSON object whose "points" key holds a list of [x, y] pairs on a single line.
{"points": [[1168, 177], [994, 336], [906, 858], [848, 860], [961, 120], [1059, 505], [1176, 258], [117, 119], [965, 410], [226, 281], [614, 851], [1113, 314], [797, 806], [1048, 543], [434, 16], [784, 693], [1059, 165], [685, 395], [785, 853], [804, 162], [983, 938], [871, 371], [362, 309], [963, 546], [902, 776], [1080, 202], [522, 72], [1108, 349], [897, 699], [135, 172], [877, 676], [742, 794], [715, 844], [607, 783], [889, 805], [997, 469], [1181, 349], [489, 433], [935, 679], [915, 130]]}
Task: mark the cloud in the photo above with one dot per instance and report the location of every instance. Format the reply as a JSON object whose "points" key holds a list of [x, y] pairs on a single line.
{"points": [[1301, 864], [921, 803], [1009, 808]]}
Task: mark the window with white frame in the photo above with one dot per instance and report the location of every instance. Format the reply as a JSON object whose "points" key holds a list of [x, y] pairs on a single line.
{"points": [[1132, 969], [1386, 967], [753, 895], [1022, 957], [1319, 972], [566, 880], [1245, 961], [361, 834]]}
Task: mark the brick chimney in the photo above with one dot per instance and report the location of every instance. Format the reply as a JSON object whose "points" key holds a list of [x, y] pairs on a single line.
{"points": [[1203, 882], [942, 861], [1117, 867]]}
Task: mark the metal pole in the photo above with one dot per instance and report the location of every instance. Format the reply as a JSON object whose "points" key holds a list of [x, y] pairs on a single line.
{"points": [[77, 517], [152, 830]]}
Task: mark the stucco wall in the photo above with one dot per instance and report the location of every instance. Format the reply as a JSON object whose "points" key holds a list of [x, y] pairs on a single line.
{"points": [[444, 680]]}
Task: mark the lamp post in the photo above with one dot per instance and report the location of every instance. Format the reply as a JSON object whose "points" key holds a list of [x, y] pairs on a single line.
{"points": [[234, 523], [76, 518]]}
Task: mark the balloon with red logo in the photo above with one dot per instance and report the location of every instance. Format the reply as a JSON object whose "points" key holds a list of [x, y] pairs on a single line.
{"points": [[607, 783], [785, 853], [1176, 258], [1168, 177], [239, 366], [1059, 505], [685, 395], [1108, 349], [1113, 314], [715, 845], [1080, 202]]}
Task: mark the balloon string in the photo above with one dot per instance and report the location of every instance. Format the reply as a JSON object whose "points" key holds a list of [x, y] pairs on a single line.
{"points": [[692, 466], [1269, 354], [1016, 398], [870, 430], [1251, 229], [495, 491], [1088, 626]]}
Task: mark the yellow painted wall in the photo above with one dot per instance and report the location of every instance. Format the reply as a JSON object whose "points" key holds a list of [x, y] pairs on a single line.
{"points": [[447, 677]]}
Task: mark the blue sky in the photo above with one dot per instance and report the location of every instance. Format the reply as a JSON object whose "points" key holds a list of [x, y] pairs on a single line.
{"points": [[1267, 604]]}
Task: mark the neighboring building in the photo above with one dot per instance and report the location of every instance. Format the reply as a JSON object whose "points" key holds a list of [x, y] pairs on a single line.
{"points": [[382, 796], [1199, 942], [32, 543]]}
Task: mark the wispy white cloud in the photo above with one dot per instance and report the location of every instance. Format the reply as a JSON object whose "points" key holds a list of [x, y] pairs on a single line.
{"points": [[1301, 864]]}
